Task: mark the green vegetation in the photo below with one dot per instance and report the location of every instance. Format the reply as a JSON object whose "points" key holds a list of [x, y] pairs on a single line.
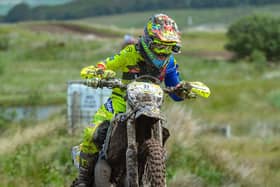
{"points": [[41, 63], [4, 43], [42, 57], [256, 37], [8, 5], [190, 159], [44, 163], [207, 17], [88, 8]]}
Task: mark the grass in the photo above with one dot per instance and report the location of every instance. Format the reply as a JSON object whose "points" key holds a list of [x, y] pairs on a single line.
{"points": [[28, 135], [192, 161], [42, 63], [237, 90], [254, 164], [201, 158], [41, 155], [35, 159]]}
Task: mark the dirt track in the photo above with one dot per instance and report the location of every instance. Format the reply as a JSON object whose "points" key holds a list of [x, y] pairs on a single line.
{"points": [[217, 55], [62, 28]]}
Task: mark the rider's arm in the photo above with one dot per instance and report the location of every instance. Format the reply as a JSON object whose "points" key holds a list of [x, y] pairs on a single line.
{"points": [[118, 62], [172, 78]]}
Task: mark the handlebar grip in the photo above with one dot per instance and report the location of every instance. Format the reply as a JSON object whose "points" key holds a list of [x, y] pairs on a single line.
{"points": [[100, 83], [94, 82]]}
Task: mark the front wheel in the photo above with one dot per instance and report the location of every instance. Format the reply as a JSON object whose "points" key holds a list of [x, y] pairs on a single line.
{"points": [[154, 165], [102, 174]]}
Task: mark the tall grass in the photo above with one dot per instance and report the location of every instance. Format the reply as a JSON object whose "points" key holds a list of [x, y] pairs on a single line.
{"points": [[38, 156], [197, 158], [185, 164], [28, 135]]}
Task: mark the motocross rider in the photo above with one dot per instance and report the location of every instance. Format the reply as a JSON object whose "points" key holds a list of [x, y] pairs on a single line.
{"points": [[153, 54]]}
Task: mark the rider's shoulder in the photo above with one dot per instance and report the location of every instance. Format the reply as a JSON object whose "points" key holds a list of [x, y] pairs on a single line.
{"points": [[129, 49]]}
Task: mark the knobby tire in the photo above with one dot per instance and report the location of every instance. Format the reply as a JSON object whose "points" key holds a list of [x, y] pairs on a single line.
{"points": [[154, 171]]}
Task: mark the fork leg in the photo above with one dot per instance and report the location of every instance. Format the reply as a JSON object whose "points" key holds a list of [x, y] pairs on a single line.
{"points": [[131, 155]]}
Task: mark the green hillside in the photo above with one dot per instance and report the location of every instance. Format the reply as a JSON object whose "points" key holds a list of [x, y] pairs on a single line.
{"points": [[89, 8], [210, 17], [5, 6]]}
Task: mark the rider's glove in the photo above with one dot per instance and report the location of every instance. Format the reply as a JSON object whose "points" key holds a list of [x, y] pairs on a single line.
{"points": [[98, 71], [108, 74], [183, 90], [89, 72]]}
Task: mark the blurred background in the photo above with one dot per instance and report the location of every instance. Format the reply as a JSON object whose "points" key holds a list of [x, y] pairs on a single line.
{"points": [[233, 46]]}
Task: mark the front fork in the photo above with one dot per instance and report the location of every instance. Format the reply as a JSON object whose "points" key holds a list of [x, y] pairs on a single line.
{"points": [[157, 132], [131, 154]]}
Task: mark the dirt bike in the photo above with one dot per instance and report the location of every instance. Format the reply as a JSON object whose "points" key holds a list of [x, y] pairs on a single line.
{"points": [[133, 153]]}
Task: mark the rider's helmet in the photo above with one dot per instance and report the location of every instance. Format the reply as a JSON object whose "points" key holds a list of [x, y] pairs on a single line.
{"points": [[161, 38]]}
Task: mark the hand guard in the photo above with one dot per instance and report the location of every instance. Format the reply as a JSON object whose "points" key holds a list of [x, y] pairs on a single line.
{"points": [[183, 90], [90, 72], [188, 90]]}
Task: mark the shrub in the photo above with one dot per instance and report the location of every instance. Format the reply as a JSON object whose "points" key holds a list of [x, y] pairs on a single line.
{"points": [[255, 33], [259, 59], [18, 13]]}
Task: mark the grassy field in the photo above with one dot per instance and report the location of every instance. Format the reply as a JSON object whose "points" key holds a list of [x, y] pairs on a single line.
{"points": [[43, 63], [36, 65]]}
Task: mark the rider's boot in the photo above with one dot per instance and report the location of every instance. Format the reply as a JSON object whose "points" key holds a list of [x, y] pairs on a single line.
{"points": [[86, 170]]}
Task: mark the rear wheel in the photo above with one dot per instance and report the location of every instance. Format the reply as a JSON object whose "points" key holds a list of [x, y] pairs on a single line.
{"points": [[154, 165]]}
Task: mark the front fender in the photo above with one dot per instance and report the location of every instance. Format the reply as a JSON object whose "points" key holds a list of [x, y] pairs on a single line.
{"points": [[149, 111]]}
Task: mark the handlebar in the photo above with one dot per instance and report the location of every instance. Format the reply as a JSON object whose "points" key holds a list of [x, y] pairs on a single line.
{"points": [[101, 83], [151, 78], [113, 83], [189, 89]]}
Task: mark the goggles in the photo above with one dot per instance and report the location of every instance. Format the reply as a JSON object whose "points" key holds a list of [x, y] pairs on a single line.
{"points": [[159, 47], [165, 48]]}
